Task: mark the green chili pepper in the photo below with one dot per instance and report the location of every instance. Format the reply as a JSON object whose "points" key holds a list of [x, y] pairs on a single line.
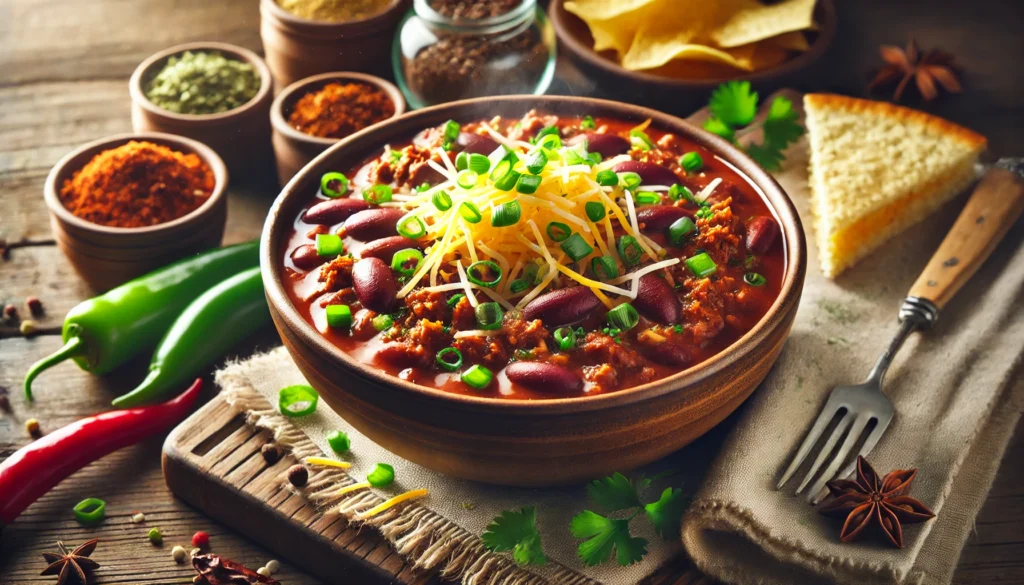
{"points": [[209, 327], [106, 331]]}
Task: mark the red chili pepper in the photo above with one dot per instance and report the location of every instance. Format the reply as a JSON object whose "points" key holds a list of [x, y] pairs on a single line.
{"points": [[35, 468]]}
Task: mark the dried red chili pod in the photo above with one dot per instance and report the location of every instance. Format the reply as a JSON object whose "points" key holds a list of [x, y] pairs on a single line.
{"points": [[216, 570]]}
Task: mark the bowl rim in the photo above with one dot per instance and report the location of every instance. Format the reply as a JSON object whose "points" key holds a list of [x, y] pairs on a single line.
{"points": [[139, 97], [91, 149], [280, 124], [579, 50], [778, 202]]}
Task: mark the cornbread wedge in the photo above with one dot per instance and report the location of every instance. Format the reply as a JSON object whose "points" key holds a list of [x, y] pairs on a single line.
{"points": [[876, 169]]}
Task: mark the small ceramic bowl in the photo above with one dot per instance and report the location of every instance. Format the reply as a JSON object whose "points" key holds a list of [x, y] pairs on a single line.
{"points": [[108, 256], [294, 149], [297, 48], [240, 136]]}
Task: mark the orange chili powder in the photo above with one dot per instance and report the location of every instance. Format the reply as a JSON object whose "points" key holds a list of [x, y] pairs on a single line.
{"points": [[138, 184], [339, 109]]}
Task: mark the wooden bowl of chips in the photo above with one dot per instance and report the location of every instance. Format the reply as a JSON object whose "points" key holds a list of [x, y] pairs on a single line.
{"points": [[631, 57]]}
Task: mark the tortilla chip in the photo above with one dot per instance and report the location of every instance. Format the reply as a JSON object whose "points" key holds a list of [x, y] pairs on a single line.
{"points": [[677, 28], [793, 41], [767, 56], [604, 9], [612, 24], [755, 22], [648, 56]]}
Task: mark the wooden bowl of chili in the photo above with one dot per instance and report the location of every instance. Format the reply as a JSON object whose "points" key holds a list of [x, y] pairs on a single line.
{"points": [[114, 225], [482, 432]]}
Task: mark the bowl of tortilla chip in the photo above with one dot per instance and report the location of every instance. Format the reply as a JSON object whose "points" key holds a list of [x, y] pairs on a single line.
{"points": [[694, 45]]}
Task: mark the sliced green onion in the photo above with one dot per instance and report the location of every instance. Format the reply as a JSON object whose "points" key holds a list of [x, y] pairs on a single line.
{"points": [[508, 181], [530, 272], [565, 337], [377, 194], [691, 162], [519, 285], [629, 250], [339, 442], [424, 186], [455, 299], [501, 169], [329, 245], [450, 134], [405, 262], [333, 185], [577, 155], [640, 139], [588, 123], [470, 212], [701, 265], [595, 210], [383, 322], [546, 131], [527, 184], [558, 231], [630, 180], [754, 279], [441, 200], [488, 316], [550, 142], [506, 214], [462, 161], [412, 227], [677, 192], [604, 267], [647, 198], [298, 400], [607, 178], [624, 317], [449, 359], [482, 266], [593, 158], [477, 376], [576, 247], [704, 212], [479, 163], [680, 230], [467, 179], [90, 511], [537, 162], [382, 475], [339, 316]]}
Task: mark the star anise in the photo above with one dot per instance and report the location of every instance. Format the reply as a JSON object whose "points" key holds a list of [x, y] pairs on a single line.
{"points": [[216, 570], [872, 502], [928, 69], [71, 566]]}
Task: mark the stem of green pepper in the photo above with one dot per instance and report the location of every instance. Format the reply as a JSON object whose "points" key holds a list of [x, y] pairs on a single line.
{"points": [[73, 348]]}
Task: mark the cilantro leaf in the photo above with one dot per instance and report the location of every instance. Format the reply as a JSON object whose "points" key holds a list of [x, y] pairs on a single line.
{"points": [[733, 103], [666, 513], [613, 493], [516, 532], [780, 127], [603, 535], [716, 126], [767, 155]]}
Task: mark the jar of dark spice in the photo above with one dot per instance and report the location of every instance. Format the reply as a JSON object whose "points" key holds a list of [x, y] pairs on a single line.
{"points": [[448, 50]]}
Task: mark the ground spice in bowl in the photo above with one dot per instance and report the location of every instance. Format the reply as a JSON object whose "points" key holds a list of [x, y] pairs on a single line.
{"points": [[473, 9], [334, 10], [138, 184], [201, 82], [339, 109]]}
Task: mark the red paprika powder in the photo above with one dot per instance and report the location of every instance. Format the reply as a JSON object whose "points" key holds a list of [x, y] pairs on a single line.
{"points": [[339, 109]]}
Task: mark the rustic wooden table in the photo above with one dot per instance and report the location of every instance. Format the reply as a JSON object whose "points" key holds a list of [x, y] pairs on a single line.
{"points": [[64, 67]]}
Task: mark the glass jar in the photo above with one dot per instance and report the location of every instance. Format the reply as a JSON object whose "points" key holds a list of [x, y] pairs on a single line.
{"points": [[439, 56]]}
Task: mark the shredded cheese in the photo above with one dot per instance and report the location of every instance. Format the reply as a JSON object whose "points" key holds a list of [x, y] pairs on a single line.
{"points": [[325, 462], [387, 505]]}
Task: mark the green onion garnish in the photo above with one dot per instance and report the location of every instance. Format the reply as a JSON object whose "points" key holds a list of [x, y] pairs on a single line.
{"points": [[477, 376], [90, 511], [298, 400], [550, 142], [680, 230], [333, 185], [530, 272], [479, 163], [501, 169], [382, 475], [647, 198], [593, 158], [629, 250], [383, 322], [484, 267], [604, 267], [558, 231], [565, 337], [607, 178], [535, 165], [455, 299], [339, 316], [527, 184], [576, 247], [470, 212], [577, 155], [339, 441], [451, 134], [405, 262], [506, 214], [691, 162], [441, 200], [462, 161], [488, 316], [588, 123], [377, 194], [412, 227], [624, 317], [704, 212], [545, 131], [640, 139], [449, 359], [677, 192], [467, 179], [519, 285], [701, 265], [508, 181], [424, 186], [595, 210], [754, 279], [630, 180], [329, 245]]}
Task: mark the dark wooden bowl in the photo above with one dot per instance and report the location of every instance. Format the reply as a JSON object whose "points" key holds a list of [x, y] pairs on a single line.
{"points": [[674, 93], [529, 442]]}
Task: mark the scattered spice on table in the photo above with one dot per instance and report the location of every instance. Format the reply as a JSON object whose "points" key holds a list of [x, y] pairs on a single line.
{"points": [[930, 70], [201, 82], [33, 428], [10, 311], [5, 402], [273, 566], [138, 518], [138, 184], [178, 553], [27, 327], [271, 453], [155, 536], [298, 475], [339, 109], [473, 9], [334, 10], [201, 540], [34, 306], [216, 570], [71, 566]]}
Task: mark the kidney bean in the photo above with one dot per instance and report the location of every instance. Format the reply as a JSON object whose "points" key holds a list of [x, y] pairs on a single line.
{"points": [[476, 143], [373, 224], [762, 231], [656, 218], [608, 145], [334, 211], [656, 300], [562, 306], [547, 378], [385, 248], [306, 258], [669, 353], [650, 173], [374, 284]]}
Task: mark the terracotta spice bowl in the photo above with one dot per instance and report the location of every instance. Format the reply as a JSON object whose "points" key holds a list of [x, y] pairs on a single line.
{"points": [[543, 442]]}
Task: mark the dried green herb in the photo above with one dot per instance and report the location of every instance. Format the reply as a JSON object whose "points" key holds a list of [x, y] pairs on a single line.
{"points": [[200, 82]]}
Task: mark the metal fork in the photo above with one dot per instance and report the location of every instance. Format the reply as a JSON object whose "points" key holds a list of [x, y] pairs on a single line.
{"points": [[992, 209]]}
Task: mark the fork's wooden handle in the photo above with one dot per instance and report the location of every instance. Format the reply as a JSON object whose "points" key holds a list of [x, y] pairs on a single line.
{"points": [[994, 206]]}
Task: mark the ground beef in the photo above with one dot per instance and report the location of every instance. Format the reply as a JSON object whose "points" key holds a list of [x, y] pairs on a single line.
{"points": [[703, 309], [406, 355], [345, 296], [412, 170], [463, 318], [603, 376], [525, 335], [478, 349], [362, 326], [601, 348], [530, 124], [718, 234], [336, 274], [433, 336], [424, 304]]}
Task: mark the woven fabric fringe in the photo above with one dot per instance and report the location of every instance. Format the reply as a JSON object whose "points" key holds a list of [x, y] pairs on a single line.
{"points": [[429, 541]]}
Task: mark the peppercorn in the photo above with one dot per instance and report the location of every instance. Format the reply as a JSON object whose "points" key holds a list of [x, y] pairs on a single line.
{"points": [[138, 517], [27, 327], [33, 428], [178, 553], [201, 540], [155, 536], [271, 453], [10, 311], [263, 572], [34, 305], [297, 475], [273, 566]]}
